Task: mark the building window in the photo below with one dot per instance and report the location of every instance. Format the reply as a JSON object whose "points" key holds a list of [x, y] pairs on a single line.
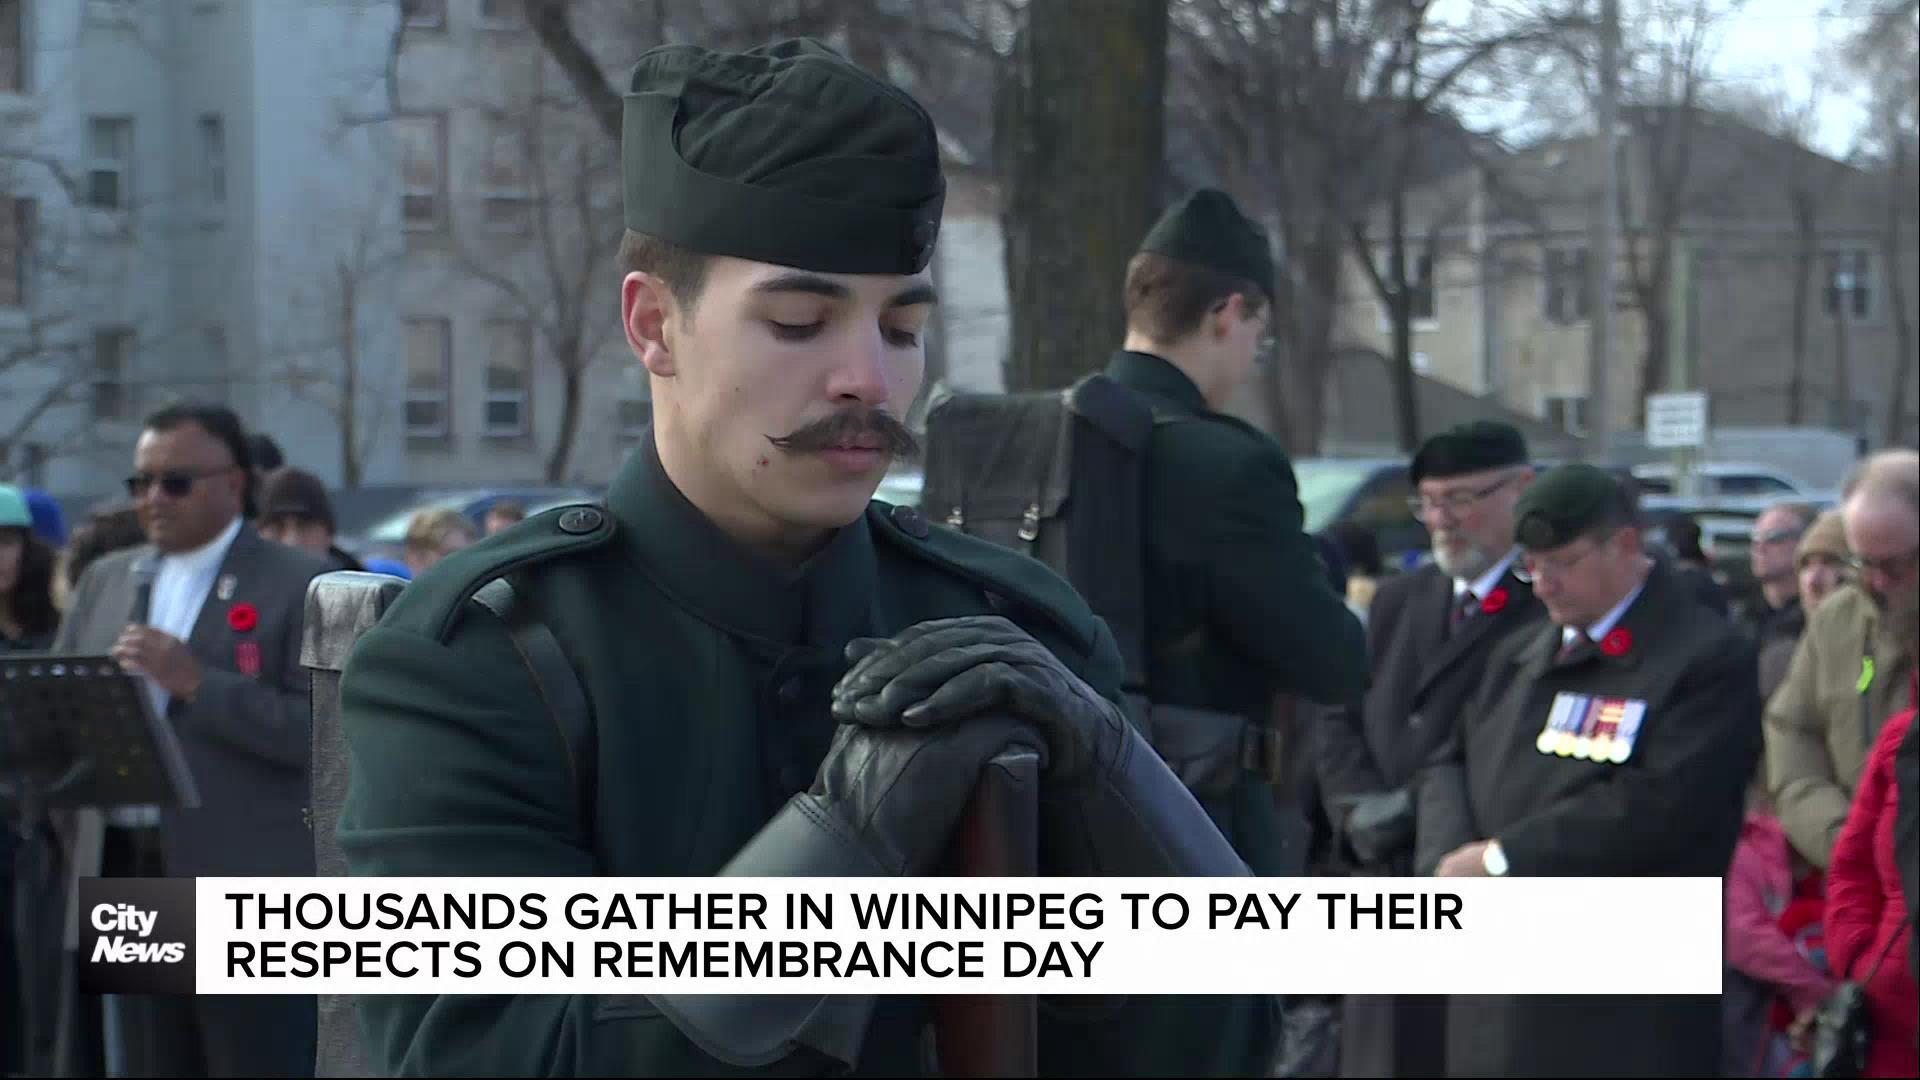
{"points": [[16, 251], [500, 14], [1568, 289], [1849, 284], [429, 377], [424, 12], [423, 147], [109, 161], [13, 52], [509, 378], [1420, 284], [1567, 412], [505, 176], [112, 349], [213, 158]]}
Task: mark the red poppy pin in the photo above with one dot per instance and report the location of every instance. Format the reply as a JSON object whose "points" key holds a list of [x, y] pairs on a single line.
{"points": [[1617, 642], [1494, 602], [242, 617]]}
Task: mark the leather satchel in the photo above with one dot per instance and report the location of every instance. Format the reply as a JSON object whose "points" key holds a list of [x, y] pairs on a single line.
{"points": [[1840, 1029]]}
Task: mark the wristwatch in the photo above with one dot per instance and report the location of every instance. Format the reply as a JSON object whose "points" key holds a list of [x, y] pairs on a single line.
{"points": [[1494, 859]]}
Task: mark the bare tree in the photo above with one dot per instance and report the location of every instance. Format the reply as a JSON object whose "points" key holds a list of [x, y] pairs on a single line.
{"points": [[1328, 115], [1078, 135], [1884, 55], [571, 177]]}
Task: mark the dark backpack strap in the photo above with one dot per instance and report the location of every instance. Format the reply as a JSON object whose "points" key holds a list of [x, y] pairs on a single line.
{"points": [[558, 686]]}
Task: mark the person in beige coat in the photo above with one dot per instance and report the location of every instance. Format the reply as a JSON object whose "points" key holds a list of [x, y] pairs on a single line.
{"points": [[1849, 671], [1820, 568]]}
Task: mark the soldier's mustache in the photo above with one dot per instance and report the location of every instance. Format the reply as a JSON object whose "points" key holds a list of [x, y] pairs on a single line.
{"points": [[838, 429]]}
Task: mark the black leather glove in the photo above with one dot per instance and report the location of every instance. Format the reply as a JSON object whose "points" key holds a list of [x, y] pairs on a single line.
{"points": [[937, 672], [1380, 826], [883, 804], [1110, 805]]}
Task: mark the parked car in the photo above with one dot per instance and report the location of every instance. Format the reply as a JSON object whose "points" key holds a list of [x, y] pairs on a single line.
{"points": [[386, 538], [1369, 492], [1721, 479]]}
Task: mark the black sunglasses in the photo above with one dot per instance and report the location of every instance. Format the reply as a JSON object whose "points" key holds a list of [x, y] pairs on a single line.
{"points": [[174, 483]]}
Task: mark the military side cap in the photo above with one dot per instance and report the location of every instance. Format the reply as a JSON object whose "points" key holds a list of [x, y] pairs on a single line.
{"points": [[1206, 228], [1468, 448], [1566, 502], [787, 154]]}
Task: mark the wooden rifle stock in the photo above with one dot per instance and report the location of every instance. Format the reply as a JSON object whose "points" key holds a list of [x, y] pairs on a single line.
{"points": [[998, 836]]}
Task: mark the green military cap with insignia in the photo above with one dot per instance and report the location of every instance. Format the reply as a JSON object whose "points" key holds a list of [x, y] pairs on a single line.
{"points": [[1208, 229], [1568, 502], [787, 154], [1471, 447]]}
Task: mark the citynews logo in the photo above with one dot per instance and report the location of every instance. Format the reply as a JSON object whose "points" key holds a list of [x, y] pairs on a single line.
{"points": [[136, 935]]}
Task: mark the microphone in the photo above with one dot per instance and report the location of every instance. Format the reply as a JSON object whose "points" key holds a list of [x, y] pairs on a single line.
{"points": [[143, 573]]}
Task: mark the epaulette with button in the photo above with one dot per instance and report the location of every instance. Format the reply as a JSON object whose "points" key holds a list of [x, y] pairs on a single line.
{"points": [[1010, 579], [432, 604]]}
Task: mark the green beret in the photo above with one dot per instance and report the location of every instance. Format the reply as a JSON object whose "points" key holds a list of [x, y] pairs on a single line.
{"points": [[786, 154], [1468, 448], [1208, 229], [1567, 502]]}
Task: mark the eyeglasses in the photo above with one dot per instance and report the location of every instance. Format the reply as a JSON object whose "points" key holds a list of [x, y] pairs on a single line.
{"points": [[1776, 536], [1455, 502], [1893, 566], [174, 483]]}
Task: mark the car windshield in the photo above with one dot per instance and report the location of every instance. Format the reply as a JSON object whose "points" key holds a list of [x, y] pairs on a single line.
{"points": [[1326, 487]]}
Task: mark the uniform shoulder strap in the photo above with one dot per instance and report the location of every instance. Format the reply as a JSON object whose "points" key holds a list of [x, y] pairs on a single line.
{"points": [[559, 687]]}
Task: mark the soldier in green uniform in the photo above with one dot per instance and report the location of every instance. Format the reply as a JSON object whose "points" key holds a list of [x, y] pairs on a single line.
{"points": [[1239, 608], [783, 678], [1615, 739]]}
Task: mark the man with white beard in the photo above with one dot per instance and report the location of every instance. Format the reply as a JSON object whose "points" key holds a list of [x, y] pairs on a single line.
{"points": [[1428, 637]]}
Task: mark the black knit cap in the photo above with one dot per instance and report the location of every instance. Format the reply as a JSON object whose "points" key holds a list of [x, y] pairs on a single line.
{"points": [[1471, 447], [291, 491], [787, 154], [1208, 229], [1567, 502]]}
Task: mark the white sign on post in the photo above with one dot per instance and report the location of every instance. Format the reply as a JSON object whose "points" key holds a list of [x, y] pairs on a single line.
{"points": [[1677, 420]]}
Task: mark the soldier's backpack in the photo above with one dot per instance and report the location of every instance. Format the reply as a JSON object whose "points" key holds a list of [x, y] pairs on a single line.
{"points": [[340, 607], [1059, 475]]}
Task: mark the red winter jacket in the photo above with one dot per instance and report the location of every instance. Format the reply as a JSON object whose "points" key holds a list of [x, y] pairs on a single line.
{"points": [[1867, 912]]}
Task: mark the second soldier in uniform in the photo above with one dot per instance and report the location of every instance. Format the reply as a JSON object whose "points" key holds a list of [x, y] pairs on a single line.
{"points": [[738, 595]]}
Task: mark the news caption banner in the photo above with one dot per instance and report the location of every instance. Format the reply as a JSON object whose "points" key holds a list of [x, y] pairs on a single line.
{"points": [[901, 935]]}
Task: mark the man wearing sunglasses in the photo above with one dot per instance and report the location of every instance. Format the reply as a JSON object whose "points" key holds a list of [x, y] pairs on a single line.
{"points": [[1615, 739], [208, 614], [1849, 671]]}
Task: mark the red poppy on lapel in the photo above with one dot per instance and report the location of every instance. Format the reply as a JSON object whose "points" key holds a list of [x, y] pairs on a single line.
{"points": [[1494, 602], [1617, 642], [242, 617], [246, 658]]}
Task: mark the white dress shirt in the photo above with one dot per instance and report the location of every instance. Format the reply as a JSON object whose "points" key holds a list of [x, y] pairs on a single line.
{"points": [[181, 583], [1486, 582], [1607, 622]]}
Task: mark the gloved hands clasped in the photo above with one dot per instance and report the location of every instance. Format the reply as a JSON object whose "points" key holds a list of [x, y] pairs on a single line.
{"points": [[935, 673], [1109, 804]]}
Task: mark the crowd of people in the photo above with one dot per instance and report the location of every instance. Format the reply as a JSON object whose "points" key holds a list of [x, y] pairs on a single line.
{"points": [[769, 673]]}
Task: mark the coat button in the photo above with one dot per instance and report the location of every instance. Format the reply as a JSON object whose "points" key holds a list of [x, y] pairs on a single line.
{"points": [[1416, 720], [790, 692], [580, 520], [910, 521]]}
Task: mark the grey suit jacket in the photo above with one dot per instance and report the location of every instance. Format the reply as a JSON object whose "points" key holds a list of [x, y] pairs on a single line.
{"points": [[245, 737]]}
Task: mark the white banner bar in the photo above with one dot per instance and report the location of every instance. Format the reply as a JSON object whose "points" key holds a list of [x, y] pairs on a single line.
{"points": [[958, 935]]}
